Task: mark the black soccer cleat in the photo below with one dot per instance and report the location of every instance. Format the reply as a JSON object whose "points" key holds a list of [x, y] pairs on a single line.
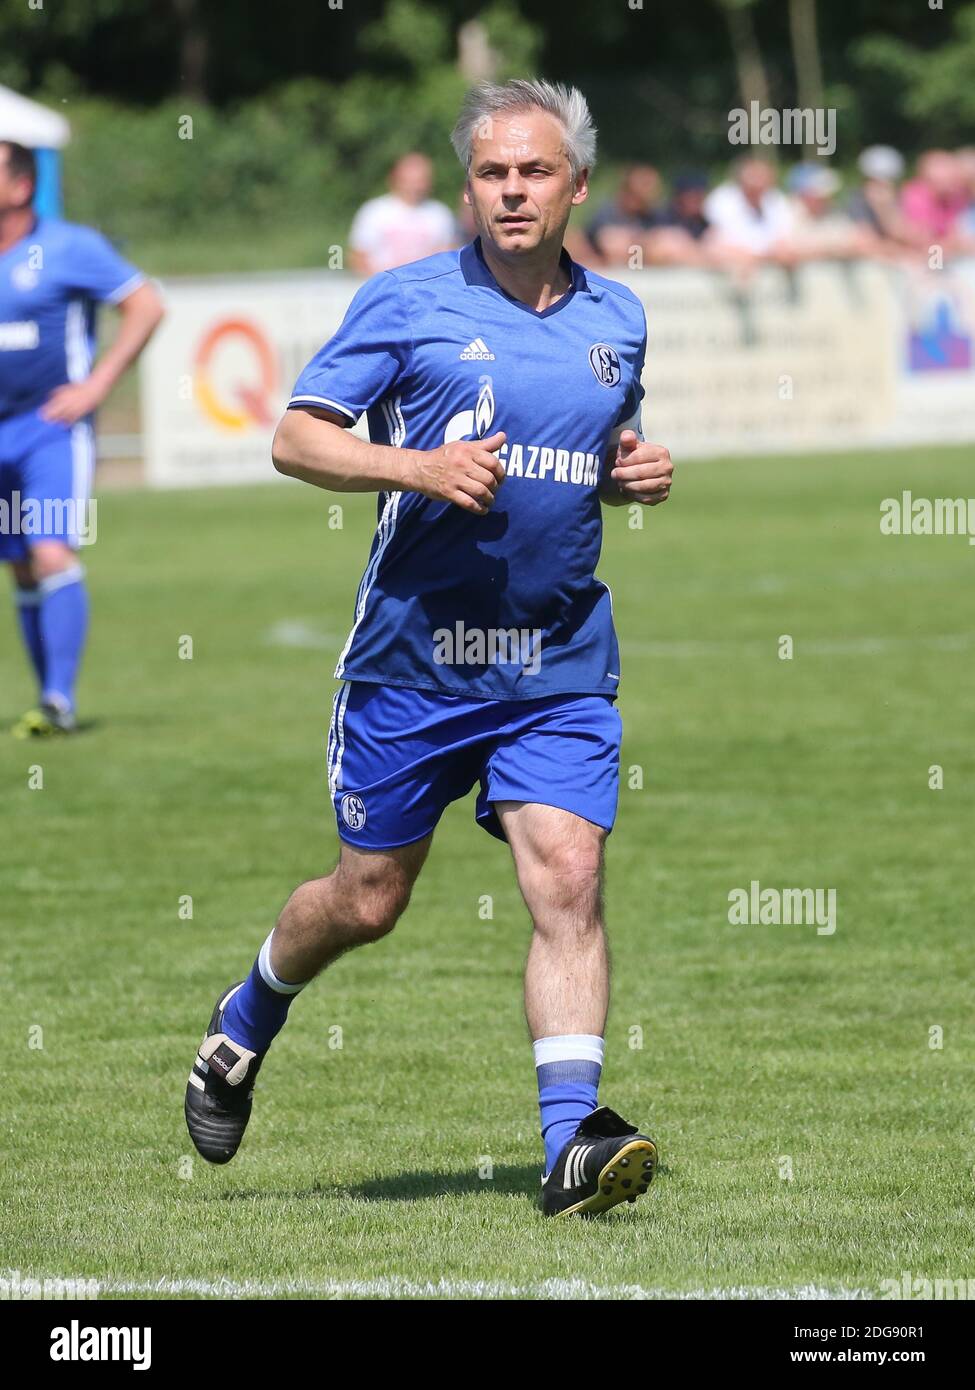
{"points": [[220, 1089], [604, 1163]]}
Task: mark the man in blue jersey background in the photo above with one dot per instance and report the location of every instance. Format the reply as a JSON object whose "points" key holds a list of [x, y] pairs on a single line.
{"points": [[502, 385], [52, 275]]}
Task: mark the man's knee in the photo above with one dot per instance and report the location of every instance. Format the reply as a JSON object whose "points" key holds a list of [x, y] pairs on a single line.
{"points": [[371, 898], [353, 913], [376, 910], [23, 575], [48, 558], [567, 883]]}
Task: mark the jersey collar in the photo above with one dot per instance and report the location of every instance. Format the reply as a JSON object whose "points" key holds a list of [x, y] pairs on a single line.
{"points": [[476, 271]]}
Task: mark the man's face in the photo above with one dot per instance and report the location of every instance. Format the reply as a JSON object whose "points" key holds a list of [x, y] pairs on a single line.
{"points": [[412, 178], [15, 192], [520, 186], [755, 178], [641, 188], [690, 202], [816, 204], [942, 173]]}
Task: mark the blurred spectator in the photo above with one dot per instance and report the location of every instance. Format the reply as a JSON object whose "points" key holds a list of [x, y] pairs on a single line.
{"points": [[934, 201], [819, 228], [403, 225], [686, 207], [875, 203], [681, 234], [751, 218], [966, 222], [624, 222]]}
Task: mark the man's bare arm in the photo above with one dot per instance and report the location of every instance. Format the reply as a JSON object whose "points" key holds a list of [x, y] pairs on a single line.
{"points": [[314, 446], [140, 313]]}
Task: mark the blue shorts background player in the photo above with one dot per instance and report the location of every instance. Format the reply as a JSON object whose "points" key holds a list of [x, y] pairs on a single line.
{"points": [[52, 276], [502, 386]]}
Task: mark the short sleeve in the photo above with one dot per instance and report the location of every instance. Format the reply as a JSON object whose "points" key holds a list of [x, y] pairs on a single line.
{"points": [[98, 270], [362, 361]]}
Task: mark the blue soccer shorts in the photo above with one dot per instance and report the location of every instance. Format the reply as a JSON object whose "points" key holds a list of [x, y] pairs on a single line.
{"points": [[45, 482], [397, 757]]}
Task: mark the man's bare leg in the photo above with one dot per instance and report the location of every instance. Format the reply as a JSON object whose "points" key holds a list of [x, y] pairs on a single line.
{"points": [[559, 859], [359, 902], [593, 1158]]}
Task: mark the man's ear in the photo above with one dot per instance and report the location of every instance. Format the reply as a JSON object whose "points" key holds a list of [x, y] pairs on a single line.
{"points": [[581, 192]]}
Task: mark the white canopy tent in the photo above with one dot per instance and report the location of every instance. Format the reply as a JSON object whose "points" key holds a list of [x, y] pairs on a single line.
{"points": [[30, 124]]}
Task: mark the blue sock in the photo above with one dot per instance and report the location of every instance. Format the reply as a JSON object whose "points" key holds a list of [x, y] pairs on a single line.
{"points": [[29, 613], [568, 1071], [257, 1012], [63, 627]]}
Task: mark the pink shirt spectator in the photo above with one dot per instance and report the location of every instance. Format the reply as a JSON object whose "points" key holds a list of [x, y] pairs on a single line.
{"points": [[933, 214]]}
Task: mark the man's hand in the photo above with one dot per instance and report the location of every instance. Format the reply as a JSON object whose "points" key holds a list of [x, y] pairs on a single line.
{"points": [[642, 472], [465, 472], [139, 313], [70, 403]]}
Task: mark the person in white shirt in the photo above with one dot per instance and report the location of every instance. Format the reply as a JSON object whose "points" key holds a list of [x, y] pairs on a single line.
{"points": [[749, 216], [403, 225]]}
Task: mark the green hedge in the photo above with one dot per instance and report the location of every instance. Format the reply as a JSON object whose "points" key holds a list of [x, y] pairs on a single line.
{"points": [[309, 151]]}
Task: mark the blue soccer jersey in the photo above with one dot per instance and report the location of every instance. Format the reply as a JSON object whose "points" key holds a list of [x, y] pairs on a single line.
{"points": [[503, 606], [50, 283]]}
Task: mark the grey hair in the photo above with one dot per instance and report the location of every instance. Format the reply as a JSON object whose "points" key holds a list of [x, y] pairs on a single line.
{"points": [[567, 104]]}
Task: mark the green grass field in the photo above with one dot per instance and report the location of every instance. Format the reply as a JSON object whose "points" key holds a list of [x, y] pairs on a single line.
{"points": [[765, 1048]]}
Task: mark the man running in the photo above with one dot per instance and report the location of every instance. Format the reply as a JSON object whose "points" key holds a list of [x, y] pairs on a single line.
{"points": [[502, 386]]}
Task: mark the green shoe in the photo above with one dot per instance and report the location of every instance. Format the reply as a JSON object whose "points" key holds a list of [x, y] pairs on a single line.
{"points": [[47, 721]]}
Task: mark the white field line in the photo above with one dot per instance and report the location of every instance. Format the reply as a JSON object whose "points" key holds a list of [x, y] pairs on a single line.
{"points": [[298, 634], [395, 1286], [301, 634]]}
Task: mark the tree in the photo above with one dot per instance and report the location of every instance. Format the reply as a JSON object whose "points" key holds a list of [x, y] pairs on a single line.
{"points": [[805, 53], [753, 84]]}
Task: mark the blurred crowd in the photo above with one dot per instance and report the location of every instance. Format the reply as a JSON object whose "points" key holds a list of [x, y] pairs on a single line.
{"points": [[752, 218]]}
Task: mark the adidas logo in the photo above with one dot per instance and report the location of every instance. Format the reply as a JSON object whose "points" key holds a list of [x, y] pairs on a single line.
{"points": [[477, 351], [575, 1166]]}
